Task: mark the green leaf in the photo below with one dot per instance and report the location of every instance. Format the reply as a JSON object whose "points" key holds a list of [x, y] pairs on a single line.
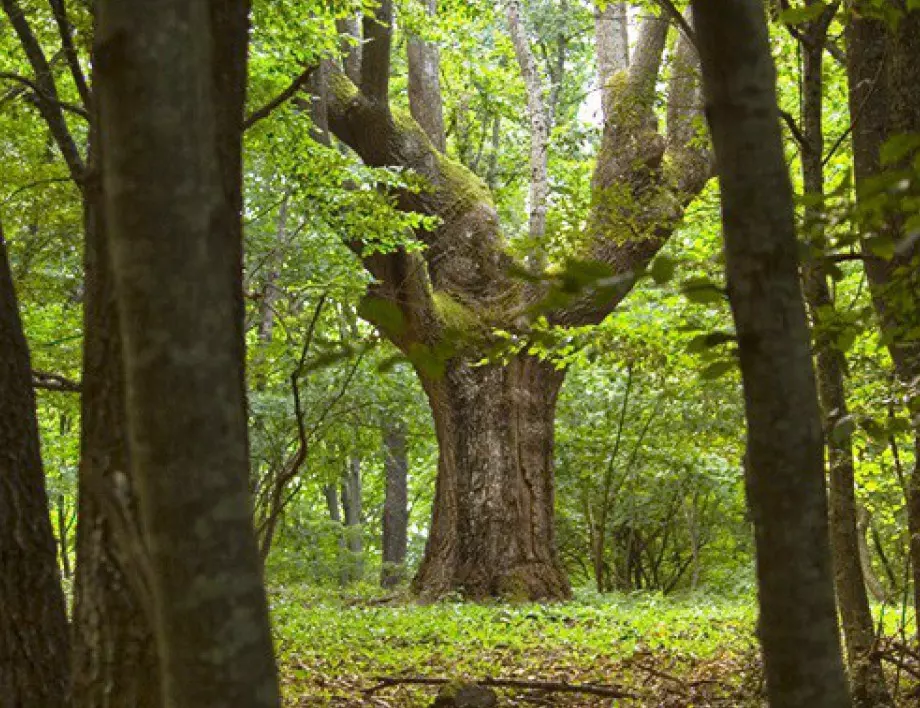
{"points": [[801, 15], [843, 429], [662, 270], [702, 291], [898, 147], [383, 313], [882, 246], [717, 369]]}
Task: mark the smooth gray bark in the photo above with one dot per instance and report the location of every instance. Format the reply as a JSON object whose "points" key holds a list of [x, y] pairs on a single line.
{"points": [[785, 460], [170, 87]]}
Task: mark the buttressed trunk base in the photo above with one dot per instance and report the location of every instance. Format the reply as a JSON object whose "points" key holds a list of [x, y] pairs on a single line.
{"points": [[492, 530]]}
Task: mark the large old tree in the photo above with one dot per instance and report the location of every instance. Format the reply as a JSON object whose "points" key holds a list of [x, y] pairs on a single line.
{"points": [[492, 527]]}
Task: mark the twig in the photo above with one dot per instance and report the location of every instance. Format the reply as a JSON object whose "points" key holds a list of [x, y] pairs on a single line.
{"points": [[551, 686], [668, 7], [796, 131], [266, 110], [42, 96]]}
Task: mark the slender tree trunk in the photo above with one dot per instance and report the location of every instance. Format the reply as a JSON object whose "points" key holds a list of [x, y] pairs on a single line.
{"points": [[331, 493], [492, 531], [351, 504], [883, 75], [539, 131], [785, 460], [395, 504], [115, 661], [171, 82], [866, 677], [34, 646]]}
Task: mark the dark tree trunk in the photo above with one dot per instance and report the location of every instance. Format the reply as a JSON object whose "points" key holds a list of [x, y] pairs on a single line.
{"points": [[171, 81], [34, 646], [354, 518], [883, 75], [395, 504], [785, 460], [115, 661], [492, 531], [866, 677]]}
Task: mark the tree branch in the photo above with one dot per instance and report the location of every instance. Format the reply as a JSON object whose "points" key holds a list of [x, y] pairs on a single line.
{"points": [[375, 53], [797, 133], [42, 96], [48, 103], [265, 111], [65, 29], [539, 128], [54, 382], [671, 10]]}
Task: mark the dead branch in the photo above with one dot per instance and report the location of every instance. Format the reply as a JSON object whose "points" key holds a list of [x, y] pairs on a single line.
{"points": [[549, 686]]}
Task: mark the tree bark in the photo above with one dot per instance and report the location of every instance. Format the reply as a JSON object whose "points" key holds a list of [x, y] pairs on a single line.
{"points": [[883, 76], [331, 494], [425, 85], [115, 661], [394, 541], [867, 680], [354, 518], [34, 646], [539, 131], [171, 83], [492, 532], [785, 460], [611, 33]]}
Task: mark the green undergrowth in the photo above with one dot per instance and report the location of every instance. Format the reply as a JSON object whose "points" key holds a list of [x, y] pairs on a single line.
{"points": [[694, 650]]}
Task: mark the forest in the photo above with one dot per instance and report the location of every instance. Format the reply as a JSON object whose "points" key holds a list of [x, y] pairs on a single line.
{"points": [[410, 353]]}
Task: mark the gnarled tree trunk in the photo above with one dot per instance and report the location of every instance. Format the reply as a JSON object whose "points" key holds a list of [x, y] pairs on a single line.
{"points": [[492, 527], [492, 531]]}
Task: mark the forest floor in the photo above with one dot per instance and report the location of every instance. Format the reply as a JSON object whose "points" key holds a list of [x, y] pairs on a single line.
{"points": [[338, 649]]}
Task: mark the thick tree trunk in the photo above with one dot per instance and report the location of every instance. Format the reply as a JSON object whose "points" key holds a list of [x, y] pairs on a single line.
{"points": [[34, 646], [785, 460], [171, 83], [866, 677], [492, 529], [394, 540]]}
